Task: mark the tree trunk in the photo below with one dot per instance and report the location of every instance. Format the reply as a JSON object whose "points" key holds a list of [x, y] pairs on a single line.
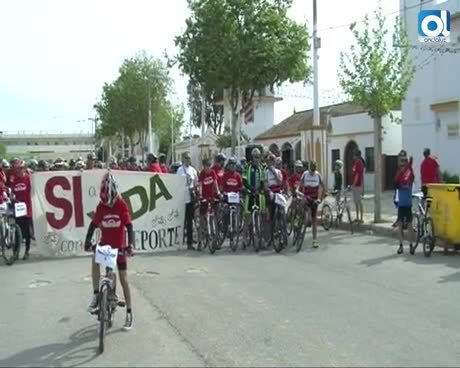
{"points": [[234, 107], [377, 168]]}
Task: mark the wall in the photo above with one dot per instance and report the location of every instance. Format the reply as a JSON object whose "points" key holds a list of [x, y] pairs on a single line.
{"points": [[435, 82], [360, 128]]}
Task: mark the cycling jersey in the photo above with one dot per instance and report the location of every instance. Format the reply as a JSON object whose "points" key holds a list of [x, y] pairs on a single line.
{"points": [[155, 168], [208, 182], [254, 177], [22, 191], [271, 178], [219, 171], [112, 222], [310, 183], [232, 182], [294, 181]]}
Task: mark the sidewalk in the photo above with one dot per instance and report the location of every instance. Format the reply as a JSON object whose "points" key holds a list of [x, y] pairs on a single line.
{"points": [[389, 214]]}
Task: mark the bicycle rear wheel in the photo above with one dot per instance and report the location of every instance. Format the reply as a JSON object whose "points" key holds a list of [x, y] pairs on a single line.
{"points": [[326, 217], [11, 243], [416, 224], [103, 315], [301, 231], [290, 220], [211, 237], [429, 238]]}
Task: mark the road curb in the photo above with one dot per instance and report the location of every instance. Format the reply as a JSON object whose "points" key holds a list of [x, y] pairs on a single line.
{"points": [[384, 229]]}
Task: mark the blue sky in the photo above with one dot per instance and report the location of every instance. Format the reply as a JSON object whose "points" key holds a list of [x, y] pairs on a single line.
{"points": [[57, 54]]}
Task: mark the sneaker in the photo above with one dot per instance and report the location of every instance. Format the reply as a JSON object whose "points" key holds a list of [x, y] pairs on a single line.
{"points": [[315, 244], [93, 304], [400, 249], [26, 257], [411, 249], [128, 322]]}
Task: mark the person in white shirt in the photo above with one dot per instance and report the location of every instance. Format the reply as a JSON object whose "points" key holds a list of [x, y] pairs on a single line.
{"points": [[191, 175]]}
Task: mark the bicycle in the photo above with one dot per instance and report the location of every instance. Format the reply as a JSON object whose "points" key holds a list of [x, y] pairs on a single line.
{"points": [[208, 228], [10, 232], [341, 205], [423, 225], [107, 301], [301, 221], [230, 220], [279, 223], [253, 235]]}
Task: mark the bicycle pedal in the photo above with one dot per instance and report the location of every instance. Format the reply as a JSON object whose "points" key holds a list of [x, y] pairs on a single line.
{"points": [[121, 304]]}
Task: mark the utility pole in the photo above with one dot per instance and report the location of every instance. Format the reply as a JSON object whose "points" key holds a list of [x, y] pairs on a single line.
{"points": [[316, 46], [150, 123]]}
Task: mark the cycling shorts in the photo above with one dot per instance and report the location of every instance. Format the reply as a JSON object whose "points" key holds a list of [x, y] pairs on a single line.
{"points": [[248, 202]]}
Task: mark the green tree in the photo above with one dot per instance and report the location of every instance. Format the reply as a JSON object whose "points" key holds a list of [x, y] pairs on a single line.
{"points": [[241, 46], [2, 150], [214, 115], [377, 78], [123, 106]]}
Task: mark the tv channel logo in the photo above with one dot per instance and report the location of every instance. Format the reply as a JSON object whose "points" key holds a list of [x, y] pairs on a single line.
{"points": [[434, 26]]}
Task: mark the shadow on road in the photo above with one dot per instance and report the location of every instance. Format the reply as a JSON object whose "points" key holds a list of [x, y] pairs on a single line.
{"points": [[68, 354]]}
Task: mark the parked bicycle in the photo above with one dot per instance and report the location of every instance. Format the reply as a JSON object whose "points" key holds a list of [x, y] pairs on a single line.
{"points": [[341, 207], [231, 220], [10, 232], [423, 225], [107, 302]]}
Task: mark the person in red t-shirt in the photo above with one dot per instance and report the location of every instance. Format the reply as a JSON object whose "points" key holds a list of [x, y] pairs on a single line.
{"points": [[279, 166], [132, 164], [209, 187], [232, 181], [357, 186], [430, 172], [218, 168], [112, 217], [21, 188], [163, 167], [152, 163]]}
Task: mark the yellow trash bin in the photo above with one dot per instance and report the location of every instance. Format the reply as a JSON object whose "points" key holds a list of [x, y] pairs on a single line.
{"points": [[445, 211]]}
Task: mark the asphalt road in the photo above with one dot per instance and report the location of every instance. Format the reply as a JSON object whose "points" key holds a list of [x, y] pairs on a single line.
{"points": [[353, 302]]}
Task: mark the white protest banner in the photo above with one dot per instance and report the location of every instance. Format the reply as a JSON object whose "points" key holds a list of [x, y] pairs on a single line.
{"points": [[64, 202]]}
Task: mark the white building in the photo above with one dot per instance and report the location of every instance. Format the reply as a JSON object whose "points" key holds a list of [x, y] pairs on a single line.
{"points": [[197, 147], [258, 116], [348, 128], [431, 110], [47, 145]]}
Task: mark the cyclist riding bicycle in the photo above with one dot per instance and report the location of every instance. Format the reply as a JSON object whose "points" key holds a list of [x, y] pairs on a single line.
{"points": [[273, 183], [253, 180], [312, 186], [219, 169], [112, 217]]}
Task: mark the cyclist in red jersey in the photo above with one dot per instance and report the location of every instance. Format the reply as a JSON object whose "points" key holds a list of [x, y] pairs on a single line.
{"points": [[112, 217], [152, 163], [312, 186], [294, 180], [231, 181], [132, 164], [209, 187], [218, 168], [21, 188]]}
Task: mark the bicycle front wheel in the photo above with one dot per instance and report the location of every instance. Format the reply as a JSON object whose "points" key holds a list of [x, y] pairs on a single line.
{"points": [[11, 243], [279, 230], [301, 231], [256, 233], [326, 217], [418, 231], [103, 316]]}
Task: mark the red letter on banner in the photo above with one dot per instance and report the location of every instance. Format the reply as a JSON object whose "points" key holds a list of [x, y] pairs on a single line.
{"points": [[60, 203], [78, 202]]}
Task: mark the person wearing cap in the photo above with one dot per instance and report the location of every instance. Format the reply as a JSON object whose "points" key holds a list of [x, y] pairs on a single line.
{"points": [[218, 168], [162, 160], [404, 181], [191, 182], [152, 164], [21, 187], [58, 164], [279, 166]]}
